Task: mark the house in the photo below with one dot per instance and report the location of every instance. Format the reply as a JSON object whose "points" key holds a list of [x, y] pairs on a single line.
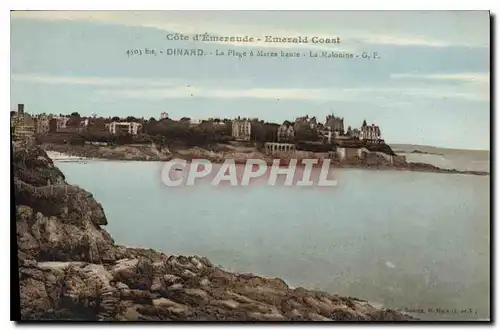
{"points": [[61, 123], [353, 133], [285, 133], [326, 135], [68, 124], [84, 123], [23, 126], [124, 127], [241, 129], [42, 124], [218, 122], [306, 120], [335, 124], [194, 122], [370, 133]]}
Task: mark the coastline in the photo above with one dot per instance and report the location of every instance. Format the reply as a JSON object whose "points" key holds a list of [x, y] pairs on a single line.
{"points": [[71, 269], [58, 156], [144, 153]]}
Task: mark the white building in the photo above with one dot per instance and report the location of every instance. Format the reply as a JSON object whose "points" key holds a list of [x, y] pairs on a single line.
{"points": [[61, 122], [218, 123], [194, 122], [356, 133], [306, 120], [329, 136], [124, 127], [370, 133], [241, 130], [42, 124], [286, 133]]}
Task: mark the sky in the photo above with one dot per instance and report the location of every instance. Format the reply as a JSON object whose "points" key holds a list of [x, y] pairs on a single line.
{"points": [[429, 86]]}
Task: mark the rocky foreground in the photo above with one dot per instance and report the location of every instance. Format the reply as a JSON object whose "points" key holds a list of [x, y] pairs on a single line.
{"points": [[145, 152], [71, 269]]}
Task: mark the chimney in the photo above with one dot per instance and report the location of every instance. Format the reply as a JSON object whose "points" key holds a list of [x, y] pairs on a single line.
{"points": [[20, 109]]}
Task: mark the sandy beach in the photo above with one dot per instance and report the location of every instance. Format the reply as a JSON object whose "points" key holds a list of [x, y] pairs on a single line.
{"points": [[62, 157]]}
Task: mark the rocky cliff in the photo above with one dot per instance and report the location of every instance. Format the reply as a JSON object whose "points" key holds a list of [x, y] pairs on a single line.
{"points": [[70, 268]]}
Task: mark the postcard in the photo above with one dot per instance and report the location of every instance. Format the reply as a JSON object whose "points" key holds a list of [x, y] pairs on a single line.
{"points": [[251, 165]]}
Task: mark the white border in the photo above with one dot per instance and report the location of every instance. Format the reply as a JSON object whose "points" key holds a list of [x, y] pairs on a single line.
{"points": [[189, 5], [252, 5]]}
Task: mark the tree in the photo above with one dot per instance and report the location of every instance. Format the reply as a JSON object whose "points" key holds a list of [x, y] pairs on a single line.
{"points": [[151, 119], [53, 125], [364, 123], [74, 120], [115, 119], [75, 113], [224, 129], [124, 139], [305, 133], [97, 124], [271, 132], [287, 123], [207, 126], [77, 140], [131, 119], [258, 132]]}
